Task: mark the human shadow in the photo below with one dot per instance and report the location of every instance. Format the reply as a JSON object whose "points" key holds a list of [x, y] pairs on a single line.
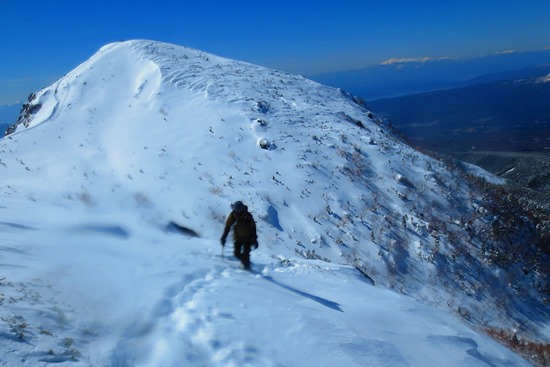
{"points": [[323, 301]]}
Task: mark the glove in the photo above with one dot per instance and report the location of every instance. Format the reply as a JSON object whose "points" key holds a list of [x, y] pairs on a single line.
{"points": [[255, 244], [222, 241]]}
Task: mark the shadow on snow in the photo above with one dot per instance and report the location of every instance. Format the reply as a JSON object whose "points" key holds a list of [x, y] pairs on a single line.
{"points": [[323, 301]]}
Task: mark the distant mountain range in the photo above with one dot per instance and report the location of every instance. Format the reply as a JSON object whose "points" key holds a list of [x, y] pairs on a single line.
{"points": [[510, 115], [397, 77], [496, 102]]}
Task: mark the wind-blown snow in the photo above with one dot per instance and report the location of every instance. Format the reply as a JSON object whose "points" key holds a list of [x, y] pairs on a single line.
{"points": [[145, 133]]}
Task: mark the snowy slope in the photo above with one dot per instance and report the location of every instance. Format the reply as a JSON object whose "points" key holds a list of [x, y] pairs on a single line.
{"points": [[144, 133]]}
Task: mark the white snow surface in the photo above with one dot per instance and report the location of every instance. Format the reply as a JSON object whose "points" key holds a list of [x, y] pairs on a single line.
{"points": [[144, 133]]}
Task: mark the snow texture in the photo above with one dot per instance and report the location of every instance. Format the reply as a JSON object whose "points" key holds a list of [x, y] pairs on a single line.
{"points": [[114, 197]]}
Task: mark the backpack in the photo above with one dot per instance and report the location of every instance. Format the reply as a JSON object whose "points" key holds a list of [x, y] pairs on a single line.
{"points": [[244, 227]]}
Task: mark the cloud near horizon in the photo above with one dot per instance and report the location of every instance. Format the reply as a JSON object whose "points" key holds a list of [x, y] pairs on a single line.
{"points": [[10, 104], [419, 59]]}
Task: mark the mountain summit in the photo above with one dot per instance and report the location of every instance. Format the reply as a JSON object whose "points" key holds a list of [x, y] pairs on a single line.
{"points": [[144, 134]]}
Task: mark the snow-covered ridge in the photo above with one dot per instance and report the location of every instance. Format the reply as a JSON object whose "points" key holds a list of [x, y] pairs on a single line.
{"points": [[144, 133]]}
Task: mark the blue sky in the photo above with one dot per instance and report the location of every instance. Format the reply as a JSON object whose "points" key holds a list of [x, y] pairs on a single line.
{"points": [[42, 40]]}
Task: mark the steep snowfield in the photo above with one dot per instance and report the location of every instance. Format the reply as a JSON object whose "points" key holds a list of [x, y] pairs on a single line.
{"points": [[145, 133]]}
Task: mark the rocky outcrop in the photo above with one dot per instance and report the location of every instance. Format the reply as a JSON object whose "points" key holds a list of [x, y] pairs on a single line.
{"points": [[25, 116]]}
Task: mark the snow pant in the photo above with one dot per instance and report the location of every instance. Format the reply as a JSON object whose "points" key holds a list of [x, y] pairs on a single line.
{"points": [[242, 252]]}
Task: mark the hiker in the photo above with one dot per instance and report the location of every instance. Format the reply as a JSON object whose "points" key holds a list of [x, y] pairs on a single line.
{"points": [[244, 232]]}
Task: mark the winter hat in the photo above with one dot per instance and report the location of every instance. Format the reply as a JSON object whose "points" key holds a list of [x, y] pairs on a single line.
{"points": [[237, 206]]}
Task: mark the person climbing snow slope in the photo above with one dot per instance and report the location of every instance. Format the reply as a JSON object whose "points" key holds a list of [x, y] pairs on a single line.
{"points": [[244, 232]]}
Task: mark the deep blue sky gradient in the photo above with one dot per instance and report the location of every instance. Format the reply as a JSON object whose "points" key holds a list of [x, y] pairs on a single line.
{"points": [[42, 40]]}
